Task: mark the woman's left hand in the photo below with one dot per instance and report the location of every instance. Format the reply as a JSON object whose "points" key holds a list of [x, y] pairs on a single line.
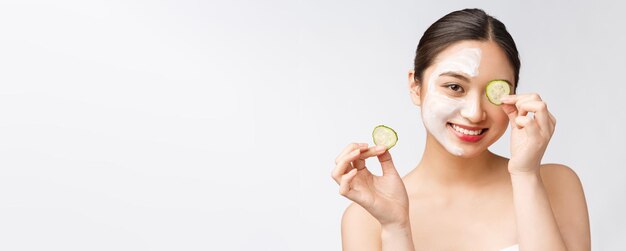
{"points": [[532, 126]]}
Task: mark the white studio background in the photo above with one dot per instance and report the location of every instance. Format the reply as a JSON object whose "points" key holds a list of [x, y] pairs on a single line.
{"points": [[203, 125]]}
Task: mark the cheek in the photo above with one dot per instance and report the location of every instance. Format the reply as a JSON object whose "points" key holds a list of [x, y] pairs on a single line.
{"points": [[499, 118], [438, 108]]}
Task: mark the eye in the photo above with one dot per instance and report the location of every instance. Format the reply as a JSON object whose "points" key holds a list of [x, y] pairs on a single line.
{"points": [[455, 87]]}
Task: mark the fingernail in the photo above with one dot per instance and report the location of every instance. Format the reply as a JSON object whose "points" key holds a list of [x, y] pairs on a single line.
{"points": [[380, 148]]}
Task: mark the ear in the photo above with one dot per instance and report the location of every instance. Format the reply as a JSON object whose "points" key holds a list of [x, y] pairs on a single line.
{"points": [[414, 89]]}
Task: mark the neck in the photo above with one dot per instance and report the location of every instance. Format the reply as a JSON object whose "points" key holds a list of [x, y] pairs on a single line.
{"points": [[440, 167]]}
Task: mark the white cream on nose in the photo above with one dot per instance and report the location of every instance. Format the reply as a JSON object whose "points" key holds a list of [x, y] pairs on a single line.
{"points": [[471, 110]]}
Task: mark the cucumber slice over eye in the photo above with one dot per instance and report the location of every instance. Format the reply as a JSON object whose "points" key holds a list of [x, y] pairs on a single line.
{"points": [[496, 89], [384, 136]]}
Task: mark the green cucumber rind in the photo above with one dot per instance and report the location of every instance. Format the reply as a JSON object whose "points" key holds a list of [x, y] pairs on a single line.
{"points": [[388, 128], [491, 99]]}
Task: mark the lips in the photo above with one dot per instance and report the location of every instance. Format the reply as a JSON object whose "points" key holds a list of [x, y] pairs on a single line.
{"points": [[467, 133]]}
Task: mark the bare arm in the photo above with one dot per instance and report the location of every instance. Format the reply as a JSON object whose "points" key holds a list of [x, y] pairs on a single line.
{"points": [[551, 210], [360, 231], [536, 226], [398, 237], [569, 205]]}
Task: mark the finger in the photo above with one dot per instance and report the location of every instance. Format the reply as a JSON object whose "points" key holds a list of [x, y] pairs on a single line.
{"points": [[541, 114], [528, 124], [359, 164], [529, 96], [387, 163], [511, 105], [553, 120], [344, 184], [521, 99], [373, 151], [509, 99], [513, 99], [370, 152], [351, 147], [511, 112], [344, 164]]}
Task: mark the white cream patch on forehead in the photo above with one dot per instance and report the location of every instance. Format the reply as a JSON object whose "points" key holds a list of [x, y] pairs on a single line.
{"points": [[438, 108], [466, 60]]}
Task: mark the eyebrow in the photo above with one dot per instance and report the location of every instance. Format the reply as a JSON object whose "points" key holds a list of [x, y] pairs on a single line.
{"points": [[455, 75]]}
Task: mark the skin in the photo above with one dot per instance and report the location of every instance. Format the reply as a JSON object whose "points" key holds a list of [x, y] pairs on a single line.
{"points": [[476, 200]]}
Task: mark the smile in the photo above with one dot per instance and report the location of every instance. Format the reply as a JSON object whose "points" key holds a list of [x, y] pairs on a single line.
{"points": [[469, 134]]}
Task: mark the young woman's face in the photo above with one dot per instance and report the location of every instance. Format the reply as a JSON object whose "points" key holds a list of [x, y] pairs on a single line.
{"points": [[455, 109]]}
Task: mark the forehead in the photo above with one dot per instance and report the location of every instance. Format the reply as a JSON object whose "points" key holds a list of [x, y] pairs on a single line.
{"points": [[457, 47], [493, 60]]}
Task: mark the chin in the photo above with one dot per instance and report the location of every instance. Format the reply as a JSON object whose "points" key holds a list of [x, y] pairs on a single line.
{"points": [[467, 153]]}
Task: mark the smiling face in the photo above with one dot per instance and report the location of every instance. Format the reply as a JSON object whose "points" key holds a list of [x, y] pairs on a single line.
{"points": [[455, 109]]}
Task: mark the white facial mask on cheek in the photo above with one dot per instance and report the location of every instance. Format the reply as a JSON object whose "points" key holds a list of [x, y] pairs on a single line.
{"points": [[438, 108]]}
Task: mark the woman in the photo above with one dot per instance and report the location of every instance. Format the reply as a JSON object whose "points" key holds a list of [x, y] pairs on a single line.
{"points": [[461, 196]]}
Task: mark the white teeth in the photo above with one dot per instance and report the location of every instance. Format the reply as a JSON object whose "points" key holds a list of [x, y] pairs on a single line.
{"points": [[467, 132]]}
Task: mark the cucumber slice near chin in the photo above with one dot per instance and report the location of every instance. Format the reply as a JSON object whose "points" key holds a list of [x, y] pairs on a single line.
{"points": [[496, 89], [384, 136]]}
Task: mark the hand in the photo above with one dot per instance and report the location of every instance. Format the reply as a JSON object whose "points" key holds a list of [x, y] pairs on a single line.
{"points": [[384, 197], [530, 134]]}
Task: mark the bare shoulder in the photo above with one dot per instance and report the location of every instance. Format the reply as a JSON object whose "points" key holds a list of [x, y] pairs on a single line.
{"points": [[558, 173], [567, 199], [561, 180], [562, 183], [359, 229]]}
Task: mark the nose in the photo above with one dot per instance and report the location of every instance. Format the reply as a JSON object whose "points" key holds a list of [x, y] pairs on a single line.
{"points": [[473, 111]]}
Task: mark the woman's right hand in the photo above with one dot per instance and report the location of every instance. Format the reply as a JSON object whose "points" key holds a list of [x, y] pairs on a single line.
{"points": [[384, 197]]}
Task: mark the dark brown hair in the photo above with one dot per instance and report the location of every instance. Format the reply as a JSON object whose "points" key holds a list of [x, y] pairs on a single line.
{"points": [[467, 24]]}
